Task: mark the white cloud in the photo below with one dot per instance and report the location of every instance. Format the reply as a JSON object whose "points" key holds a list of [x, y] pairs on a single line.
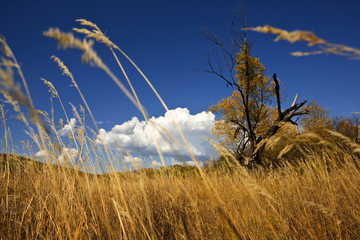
{"points": [[131, 159], [190, 163], [134, 136], [67, 155], [155, 164], [67, 128], [135, 162], [40, 154], [175, 162]]}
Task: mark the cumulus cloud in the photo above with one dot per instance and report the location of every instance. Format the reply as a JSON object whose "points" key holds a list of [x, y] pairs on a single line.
{"points": [[155, 164], [40, 154], [67, 155], [67, 128], [131, 159], [134, 136], [135, 162], [190, 163], [175, 162]]}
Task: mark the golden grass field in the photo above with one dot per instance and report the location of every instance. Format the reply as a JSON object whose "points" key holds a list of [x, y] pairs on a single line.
{"points": [[313, 201], [315, 196]]}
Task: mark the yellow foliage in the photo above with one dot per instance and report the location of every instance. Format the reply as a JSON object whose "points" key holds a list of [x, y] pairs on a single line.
{"points": [[318, 120], [254, 90], [348, 126]]}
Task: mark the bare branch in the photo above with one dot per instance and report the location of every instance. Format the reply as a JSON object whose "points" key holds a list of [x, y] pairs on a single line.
{"points": [[292, 109], [277, 94], [241, 126], [255, 97], [301, 113], [215, 39], [295, 99]]}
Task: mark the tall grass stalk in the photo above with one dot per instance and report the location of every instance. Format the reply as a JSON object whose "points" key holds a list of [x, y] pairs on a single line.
{"points": [[315, 196]]}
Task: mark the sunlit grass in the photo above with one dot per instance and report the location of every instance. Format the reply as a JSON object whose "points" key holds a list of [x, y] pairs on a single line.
{"points": [[313, 196]]}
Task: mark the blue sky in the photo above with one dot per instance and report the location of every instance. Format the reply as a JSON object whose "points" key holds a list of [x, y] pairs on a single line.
{"points": [[163, 39]]}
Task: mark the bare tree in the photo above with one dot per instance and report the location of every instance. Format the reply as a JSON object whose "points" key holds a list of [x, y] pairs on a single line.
{"points": [[242, 72]]}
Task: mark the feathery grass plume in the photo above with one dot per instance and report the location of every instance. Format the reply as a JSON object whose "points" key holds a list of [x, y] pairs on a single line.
{"points": [[81, 132], [7, 84], [327, 211], [353, 145], [63, 67], [285, 150], [98, 35], [43, 113], [295, 36], [21, 116], [67, 40], [54, 93], [66, 71], [15, 105], [52, 89]]}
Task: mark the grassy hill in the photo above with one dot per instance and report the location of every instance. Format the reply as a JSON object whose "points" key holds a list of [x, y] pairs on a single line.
{"points": [[44, 201]]}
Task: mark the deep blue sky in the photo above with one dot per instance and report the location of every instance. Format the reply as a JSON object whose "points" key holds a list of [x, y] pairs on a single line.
{"points": [[163, 38]]}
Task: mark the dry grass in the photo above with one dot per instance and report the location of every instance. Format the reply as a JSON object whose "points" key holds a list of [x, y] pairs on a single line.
{"points": [[316, 198], [295, 36], [43, 201]]}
